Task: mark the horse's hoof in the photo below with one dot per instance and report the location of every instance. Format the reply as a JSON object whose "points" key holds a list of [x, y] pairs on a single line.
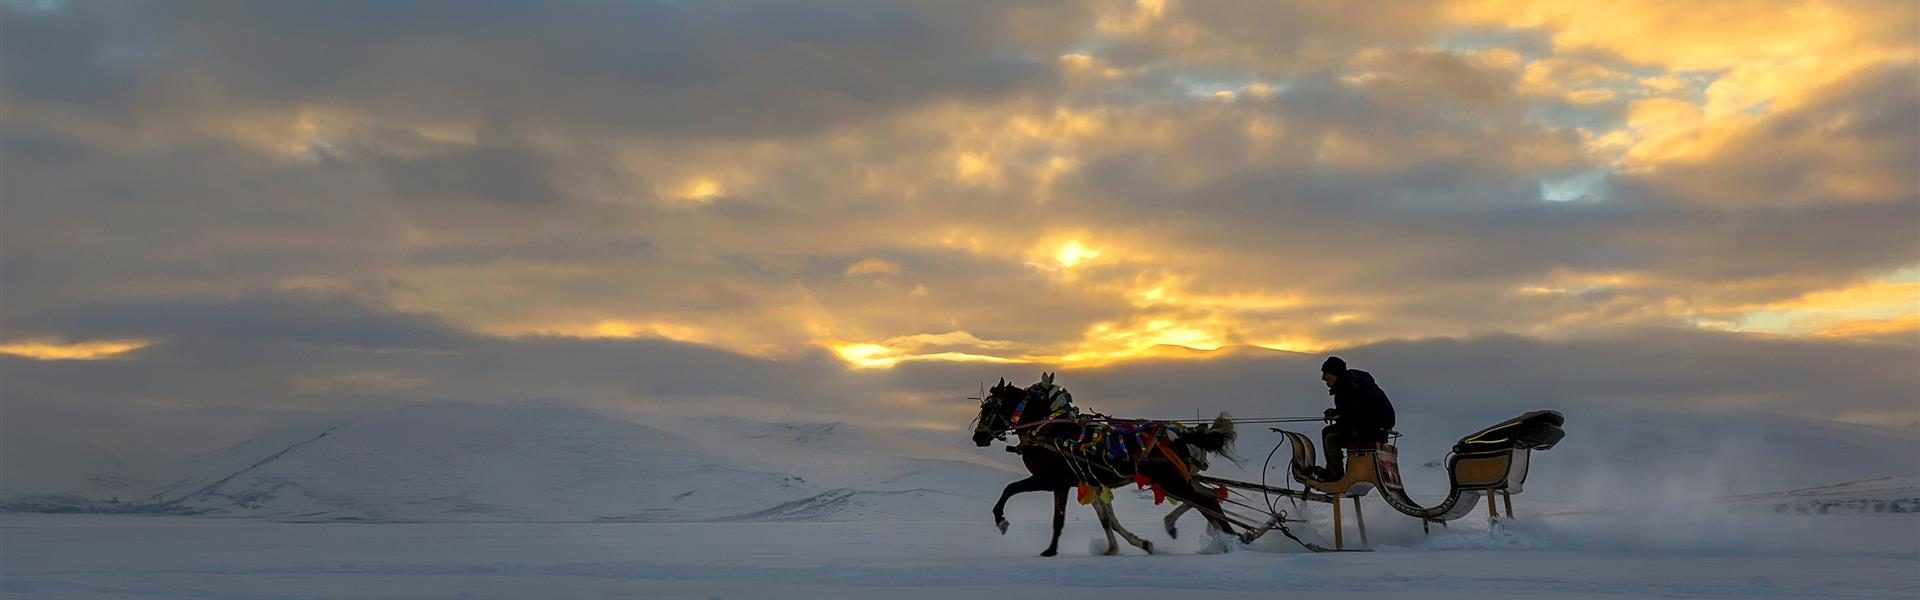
{"points": [[1114, 551], [1049, 552], [1173, 532], [1147, 546], [1002, 524]]}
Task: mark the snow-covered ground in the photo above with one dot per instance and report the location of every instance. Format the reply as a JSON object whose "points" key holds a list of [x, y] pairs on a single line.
{"points": [[91, 556], [451, 500]]}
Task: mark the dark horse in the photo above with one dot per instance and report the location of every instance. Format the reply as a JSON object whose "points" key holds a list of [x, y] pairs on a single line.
{"points": [[1011, 408]]}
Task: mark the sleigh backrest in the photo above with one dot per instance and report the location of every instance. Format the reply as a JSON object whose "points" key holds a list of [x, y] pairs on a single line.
{"points": [[1304, 457]]}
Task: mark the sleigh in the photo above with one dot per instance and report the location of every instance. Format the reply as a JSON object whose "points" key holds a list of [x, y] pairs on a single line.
{"points": [[1491, 461]]}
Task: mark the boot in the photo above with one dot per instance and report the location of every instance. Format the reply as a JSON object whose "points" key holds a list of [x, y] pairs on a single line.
{"points": [[1325, 474]]}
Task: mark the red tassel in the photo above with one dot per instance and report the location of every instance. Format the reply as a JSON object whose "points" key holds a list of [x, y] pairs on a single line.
{"points": [[1142, 481], [1221, 492], [1159, 495]]}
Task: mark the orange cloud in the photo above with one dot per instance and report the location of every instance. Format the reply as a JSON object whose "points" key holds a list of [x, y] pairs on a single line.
{"points": [[54, 349], [873, 266], [1886, 305], [1767, 57], [953, 346]]}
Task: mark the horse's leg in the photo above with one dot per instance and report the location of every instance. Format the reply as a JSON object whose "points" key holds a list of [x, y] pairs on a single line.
{"points": [[1107, 508], [1172, 531], [1104, 511], [1209, 505], [1059, 520], [1030, 484]]}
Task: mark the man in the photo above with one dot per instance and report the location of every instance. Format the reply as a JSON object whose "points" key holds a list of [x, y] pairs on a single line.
{"points": [[1360, 413]]}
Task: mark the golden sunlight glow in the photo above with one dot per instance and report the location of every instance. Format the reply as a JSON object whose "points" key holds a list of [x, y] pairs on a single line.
{"points": [[1103, 344], [1072, 252], [1908, 323], [877, 356], [867, 355], [952, 346], [976, 168], [54, 349], [700, 190], [621, 328], [1108, 342], [1562, 281], [1761, 59], [1872, 308], [1144, 15], [1169, 291], [1168, 337]]}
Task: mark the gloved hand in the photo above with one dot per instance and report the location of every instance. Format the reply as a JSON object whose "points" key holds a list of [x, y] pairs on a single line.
{"points": [[1330, 415]]}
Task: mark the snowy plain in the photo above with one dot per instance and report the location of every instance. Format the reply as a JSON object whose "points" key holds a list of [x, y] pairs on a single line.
{"points": [[90, 556], [451, 500]]}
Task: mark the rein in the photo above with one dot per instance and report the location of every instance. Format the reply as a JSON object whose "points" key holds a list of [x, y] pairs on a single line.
{"points": [[1016, 419], [1049, 422]]}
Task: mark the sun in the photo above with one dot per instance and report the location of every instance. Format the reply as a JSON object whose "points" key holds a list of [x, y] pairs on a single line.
{"points": [[1073, 253]]}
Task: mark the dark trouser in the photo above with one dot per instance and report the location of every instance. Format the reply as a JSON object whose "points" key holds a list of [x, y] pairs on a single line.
{"points": [[1333, 438]]}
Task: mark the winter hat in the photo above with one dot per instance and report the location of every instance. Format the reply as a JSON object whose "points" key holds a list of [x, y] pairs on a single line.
{"points": [[1334, 365]]}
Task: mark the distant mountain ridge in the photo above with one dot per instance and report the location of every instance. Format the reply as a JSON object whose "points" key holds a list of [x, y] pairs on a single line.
{"points": [[450, 461], [458, 462], [1879, 495]]}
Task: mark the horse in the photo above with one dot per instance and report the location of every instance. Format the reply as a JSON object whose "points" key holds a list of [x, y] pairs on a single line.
{"points": [[1042, 439]]}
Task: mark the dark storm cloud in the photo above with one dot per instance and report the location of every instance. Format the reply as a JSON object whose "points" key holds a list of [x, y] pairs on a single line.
{"points": [[658, 67], [205, 216], [494, 173], [1269, 38], [285, 318]]}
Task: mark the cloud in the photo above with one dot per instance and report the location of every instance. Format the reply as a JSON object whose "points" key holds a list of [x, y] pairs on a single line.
{"points": [[295, 318], [872, 266], [357, 204], [196, 392], [662, 68], [1851, 142], [55, 349]]}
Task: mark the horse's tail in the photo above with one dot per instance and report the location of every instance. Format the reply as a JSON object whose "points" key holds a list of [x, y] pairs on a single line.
{"points": [[1216, 438]]}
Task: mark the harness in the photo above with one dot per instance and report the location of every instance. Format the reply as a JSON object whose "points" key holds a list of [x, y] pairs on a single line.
{"points": [[1100, 443]]}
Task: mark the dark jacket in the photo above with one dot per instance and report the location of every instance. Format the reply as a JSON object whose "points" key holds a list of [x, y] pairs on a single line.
{"points": [[1360, 402]]}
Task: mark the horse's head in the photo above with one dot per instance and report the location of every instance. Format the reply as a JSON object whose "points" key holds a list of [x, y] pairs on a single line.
{"points": [[996, 412]]}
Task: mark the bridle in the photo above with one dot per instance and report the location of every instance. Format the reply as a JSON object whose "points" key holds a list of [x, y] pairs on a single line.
{"points": [[991, 418]]}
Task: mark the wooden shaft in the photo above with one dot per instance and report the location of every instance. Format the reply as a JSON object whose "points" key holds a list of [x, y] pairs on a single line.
{"points": [[1509, 500], [1360, 519], [1493, 510], [1336, 525]]}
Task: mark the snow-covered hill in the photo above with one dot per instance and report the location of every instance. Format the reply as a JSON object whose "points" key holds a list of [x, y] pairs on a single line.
{"points": [[48, 473], [544, 462], [1881, 495], [548, 462]]}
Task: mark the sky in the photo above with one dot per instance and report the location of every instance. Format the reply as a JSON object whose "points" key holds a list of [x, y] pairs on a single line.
{"points": [[216, 217]]}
